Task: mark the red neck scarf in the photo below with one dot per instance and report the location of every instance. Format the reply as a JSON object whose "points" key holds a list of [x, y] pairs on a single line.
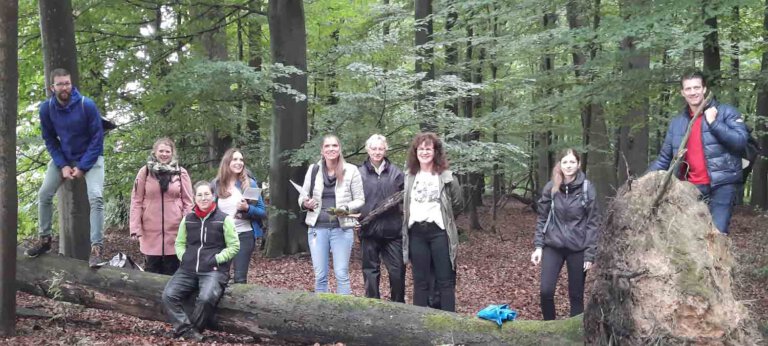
{"points": [[204, 213]]}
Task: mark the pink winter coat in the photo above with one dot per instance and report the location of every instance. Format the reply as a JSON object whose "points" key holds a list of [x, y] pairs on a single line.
{"points": [[147, 215]]}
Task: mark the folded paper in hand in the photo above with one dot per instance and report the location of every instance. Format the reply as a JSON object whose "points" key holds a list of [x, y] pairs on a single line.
{"points": [[297, 187], [252, 193]]}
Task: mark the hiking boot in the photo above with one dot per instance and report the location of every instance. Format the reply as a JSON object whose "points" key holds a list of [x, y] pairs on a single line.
{"points": [[193, 335], [41, 246], [96, 260]]}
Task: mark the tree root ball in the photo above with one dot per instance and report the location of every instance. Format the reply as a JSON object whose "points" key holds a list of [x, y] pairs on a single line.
{"points": [[664, 277]]}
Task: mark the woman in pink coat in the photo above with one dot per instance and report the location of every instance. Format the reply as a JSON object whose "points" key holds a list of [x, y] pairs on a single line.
{"points": [[161, 196]]}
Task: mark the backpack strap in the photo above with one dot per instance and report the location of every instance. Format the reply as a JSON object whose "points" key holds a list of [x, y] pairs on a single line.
{"points": [[549, 216], [585, 193], [315, 169]]}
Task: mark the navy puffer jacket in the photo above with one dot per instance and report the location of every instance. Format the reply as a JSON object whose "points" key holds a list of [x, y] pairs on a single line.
{"points": [[724, 143]]}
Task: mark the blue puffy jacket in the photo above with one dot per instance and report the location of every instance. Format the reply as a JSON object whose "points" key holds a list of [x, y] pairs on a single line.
{"points": [[72, 133], [257, 210], [724, 143]]}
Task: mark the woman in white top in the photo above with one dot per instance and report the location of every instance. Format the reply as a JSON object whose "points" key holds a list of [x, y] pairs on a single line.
{"points": [[338, 185], [430, 238], [229, 185]]}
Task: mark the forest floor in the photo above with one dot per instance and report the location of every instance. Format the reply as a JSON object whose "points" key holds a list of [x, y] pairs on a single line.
{"points": [[493, 268]]}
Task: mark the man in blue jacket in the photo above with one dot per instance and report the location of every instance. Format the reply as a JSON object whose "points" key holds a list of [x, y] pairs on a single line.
{"points": [[73, 134], [714, 150]]}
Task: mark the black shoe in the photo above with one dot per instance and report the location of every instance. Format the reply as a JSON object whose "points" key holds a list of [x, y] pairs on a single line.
{"points": [[96, 258], [193, 335], [41, 246]]}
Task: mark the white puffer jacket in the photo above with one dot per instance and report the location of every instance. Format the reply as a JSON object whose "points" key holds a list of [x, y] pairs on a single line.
{"points": [[348, 194]]}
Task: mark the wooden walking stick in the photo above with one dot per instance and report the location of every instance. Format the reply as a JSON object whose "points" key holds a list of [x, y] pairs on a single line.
{"points": [[674, 166]]}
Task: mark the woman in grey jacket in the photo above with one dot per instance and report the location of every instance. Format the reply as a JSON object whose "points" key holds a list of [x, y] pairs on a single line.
{"points": [[337, 185], [566, 231]]}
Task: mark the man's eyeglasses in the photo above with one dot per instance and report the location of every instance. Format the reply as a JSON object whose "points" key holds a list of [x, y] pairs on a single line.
{"points": [[62, 84]]}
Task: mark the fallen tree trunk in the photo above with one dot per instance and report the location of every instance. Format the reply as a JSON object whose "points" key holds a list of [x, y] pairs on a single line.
{"points": [[287, 315]]}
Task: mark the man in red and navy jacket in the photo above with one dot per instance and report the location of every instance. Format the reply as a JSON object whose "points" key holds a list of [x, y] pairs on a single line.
{"points": [[714, 149]]}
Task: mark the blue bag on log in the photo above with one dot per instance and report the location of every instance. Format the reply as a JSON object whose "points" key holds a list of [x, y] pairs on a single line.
{"points": [[497, 313]]}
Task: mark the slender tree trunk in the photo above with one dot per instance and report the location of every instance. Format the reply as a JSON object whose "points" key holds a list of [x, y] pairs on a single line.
{"points": [[497, 176], [288, 42], [333, 82], [711, 48], [469, 180], [596, 161], [633, 133], [385, 29], [213, 46], [255, 60], [760, 171], [9, 78], [543, 139], [735, 58], [57, 27], [477, 179], [425, 54], [452, 52]]}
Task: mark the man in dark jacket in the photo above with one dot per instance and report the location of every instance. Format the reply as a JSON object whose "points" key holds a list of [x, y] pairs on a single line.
{"points": [[381, 237], [72, 130], [713, 159]]}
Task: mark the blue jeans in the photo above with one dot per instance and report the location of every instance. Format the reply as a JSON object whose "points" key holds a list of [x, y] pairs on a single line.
{"points": [[339, 242], [94, 180], [209, 287], [243, 258], [720, 200]]}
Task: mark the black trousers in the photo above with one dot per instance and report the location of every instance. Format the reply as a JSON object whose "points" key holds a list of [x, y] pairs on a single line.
{"points": [[243, 258], [391, 253], [166, 265], [430, 258], [551, 262], [209, 287]]}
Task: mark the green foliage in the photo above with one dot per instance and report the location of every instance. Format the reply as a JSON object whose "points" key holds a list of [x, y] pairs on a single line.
{"points": [[156, 81]]}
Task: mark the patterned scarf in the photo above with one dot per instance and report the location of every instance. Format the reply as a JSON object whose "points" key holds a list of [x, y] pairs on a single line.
{"points": [[156, 167]]}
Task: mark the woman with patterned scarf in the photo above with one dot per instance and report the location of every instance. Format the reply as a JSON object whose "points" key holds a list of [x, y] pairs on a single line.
{"points": [[161, 196]]}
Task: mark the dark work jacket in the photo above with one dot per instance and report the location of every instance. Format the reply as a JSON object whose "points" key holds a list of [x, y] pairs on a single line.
{"points": [[724, 143], [202, 246], [574, 223], [376, 189]]}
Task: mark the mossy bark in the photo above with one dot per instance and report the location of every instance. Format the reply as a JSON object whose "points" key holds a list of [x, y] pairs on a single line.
{"points": [[288, 315]]}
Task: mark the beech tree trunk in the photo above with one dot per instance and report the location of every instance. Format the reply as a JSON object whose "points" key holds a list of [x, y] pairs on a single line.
{"points": [[470, 181], [213, 46], [633, 133], [57, 27], [543, 139], [596, 161], [255, 60], [760, 173], [711, 48], [289, 315], [9, 78], [425, 54], [288, 42]]}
